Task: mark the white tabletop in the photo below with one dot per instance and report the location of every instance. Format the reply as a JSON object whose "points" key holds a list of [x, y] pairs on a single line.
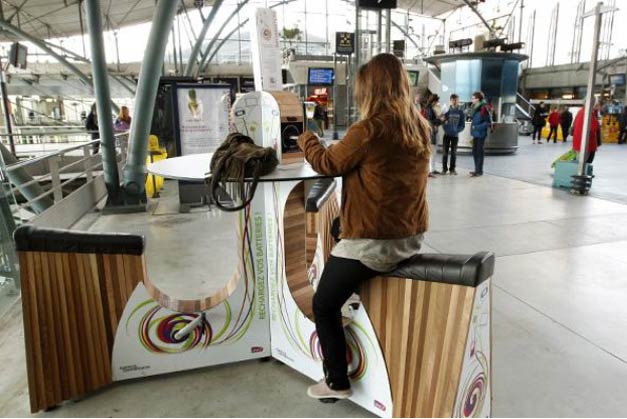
{"points": [[195, 167]]}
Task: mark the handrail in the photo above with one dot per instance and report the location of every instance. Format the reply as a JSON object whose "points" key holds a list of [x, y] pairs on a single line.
{"points": [[63, 151], [36, 133]]}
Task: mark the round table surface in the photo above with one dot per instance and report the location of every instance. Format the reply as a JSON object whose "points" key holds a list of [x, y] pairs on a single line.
{"points": [[195, 167]]}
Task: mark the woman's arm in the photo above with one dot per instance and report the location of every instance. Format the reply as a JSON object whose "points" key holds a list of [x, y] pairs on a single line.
{"points": [[338, 159]]}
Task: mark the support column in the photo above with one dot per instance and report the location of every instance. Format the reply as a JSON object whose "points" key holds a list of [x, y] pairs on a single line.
{"points": [[592, 74], [520, 23], [388, 30], [103, 99], [5, 111], [357, 59], [134, 184], [379, 31]]}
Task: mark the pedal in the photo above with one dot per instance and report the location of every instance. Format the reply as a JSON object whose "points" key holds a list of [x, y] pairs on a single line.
{"points": [[329, 400]]}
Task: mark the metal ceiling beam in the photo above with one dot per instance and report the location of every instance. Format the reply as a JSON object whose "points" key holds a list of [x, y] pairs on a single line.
{"points": [[44, 46], [407, 35], [205, 54], [230, 34], [476, 11], [17, 10], [201, 37], [32, 20]]}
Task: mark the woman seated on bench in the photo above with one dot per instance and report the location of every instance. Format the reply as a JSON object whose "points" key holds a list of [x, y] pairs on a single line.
{"points": [[384, 162]]}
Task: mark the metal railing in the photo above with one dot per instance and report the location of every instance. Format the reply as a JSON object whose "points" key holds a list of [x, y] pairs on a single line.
{"points": [[55, 173], [524, 106]]}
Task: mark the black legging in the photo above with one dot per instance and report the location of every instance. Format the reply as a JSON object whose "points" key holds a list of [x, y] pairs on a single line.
{"points": [[537, 129], [565, 131], [552, 132], [340, 279]]}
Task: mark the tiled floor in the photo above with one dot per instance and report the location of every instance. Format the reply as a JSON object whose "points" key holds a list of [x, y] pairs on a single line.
{"points": [[560, 293]]}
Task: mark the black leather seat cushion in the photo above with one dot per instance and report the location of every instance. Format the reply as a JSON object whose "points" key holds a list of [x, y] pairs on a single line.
{"points": [[29, 238], [318, 194], [467, 270]]}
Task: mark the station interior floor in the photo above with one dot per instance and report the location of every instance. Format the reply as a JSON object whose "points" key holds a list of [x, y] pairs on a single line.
{"points": [[559, 314]]}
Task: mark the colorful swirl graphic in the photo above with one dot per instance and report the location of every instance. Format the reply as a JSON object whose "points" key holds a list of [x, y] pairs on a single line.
{"points": [[158, 334], [475, 390], [158, 326], [355, 353]]}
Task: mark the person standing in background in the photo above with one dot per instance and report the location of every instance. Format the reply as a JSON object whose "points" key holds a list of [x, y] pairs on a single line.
{"points": [[429, 112], [593, 136], [319, 118], [481, 122], [91, 125], [622, 124], [566, 119], [538, 121], [554, 122], [122, 125], [454, 123], [123, 121]]}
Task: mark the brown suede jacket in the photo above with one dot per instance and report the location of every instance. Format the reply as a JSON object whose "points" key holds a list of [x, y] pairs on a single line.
{"points": [[384, 191]]}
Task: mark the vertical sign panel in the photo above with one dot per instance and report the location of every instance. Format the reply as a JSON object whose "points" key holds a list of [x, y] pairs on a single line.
{"points": [[266, 52]]}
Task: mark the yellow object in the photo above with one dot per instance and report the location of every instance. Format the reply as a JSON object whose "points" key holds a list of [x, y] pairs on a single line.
{"points": [[547, 129], [610, 129], [155, 153]]}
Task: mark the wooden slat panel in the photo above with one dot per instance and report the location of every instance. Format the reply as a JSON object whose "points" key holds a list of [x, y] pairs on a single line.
{"points": [[301, 231], [31, 331], [422, 329], [84, 326], [68, 356], [71, 303], [75, 314], [63, 390], [45, 334]]}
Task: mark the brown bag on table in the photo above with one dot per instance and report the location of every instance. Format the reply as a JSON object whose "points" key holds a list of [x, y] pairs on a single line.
{"points": [[239, 158]]}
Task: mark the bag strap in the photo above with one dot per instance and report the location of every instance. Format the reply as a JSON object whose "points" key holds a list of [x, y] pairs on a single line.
{"points": [[248, 194]]}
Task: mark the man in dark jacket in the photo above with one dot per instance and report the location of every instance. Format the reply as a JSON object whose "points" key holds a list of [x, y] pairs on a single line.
{"points": [[622, 123], [91, 125], [481, 123], [566, 121], [538, 121], [454, 123]]}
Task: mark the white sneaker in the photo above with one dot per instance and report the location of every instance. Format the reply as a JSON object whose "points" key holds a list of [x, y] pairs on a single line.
{"points": [[322, 391]]}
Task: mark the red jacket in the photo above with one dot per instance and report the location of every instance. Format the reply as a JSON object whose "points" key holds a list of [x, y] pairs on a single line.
{"points": [[578, 130], [555, 119]]}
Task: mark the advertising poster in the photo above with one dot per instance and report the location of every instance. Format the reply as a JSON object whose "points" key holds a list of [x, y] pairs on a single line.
{"points": [[203, 118]]}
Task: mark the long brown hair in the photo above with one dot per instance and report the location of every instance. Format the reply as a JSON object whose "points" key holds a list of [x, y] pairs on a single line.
{"points": [[124, 115], [382, 93]]}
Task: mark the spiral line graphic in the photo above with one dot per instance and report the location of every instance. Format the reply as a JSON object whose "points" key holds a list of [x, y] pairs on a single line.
{"points": [[476, 389], [355, 354], [157, 334]]}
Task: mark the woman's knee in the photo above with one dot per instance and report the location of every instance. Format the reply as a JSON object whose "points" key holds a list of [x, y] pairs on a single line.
{"points": [[322, 306]]}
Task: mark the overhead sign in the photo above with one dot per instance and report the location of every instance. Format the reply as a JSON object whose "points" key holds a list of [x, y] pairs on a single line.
{"points": [[378, 4], [344, 43], [398, 47]]}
